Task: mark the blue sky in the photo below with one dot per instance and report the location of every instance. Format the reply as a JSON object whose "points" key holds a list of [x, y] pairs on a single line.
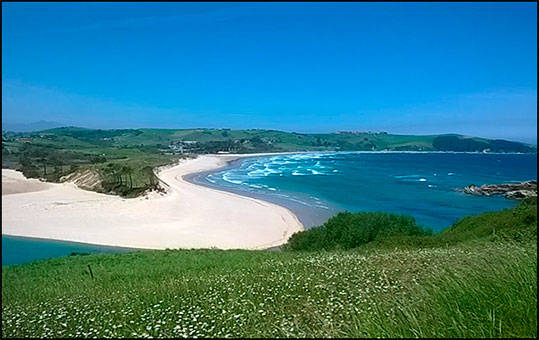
{"points": [[408, 68]]}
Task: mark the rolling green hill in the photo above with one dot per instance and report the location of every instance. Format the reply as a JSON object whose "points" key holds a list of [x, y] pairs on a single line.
{"points": [[285, 141], [247, 140], [476, 279]]}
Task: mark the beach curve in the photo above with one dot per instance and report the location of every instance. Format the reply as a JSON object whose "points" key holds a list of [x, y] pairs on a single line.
{"points": [[187, 216]]}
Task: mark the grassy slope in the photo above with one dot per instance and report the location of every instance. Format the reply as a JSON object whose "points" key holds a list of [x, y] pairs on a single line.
{"points": [[282, 141], [481, 285]]}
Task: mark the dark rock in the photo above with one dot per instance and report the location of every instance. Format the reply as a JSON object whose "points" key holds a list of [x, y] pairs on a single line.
{"points": [[515, 191]]}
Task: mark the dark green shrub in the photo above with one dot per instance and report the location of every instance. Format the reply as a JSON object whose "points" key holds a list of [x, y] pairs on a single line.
{"points": [[349, 230]]}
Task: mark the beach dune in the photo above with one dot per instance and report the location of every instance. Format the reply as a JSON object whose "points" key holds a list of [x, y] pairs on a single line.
{"points": [[187, 216]]}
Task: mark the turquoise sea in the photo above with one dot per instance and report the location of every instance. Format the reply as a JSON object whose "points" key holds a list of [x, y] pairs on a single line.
{"points": [[315, 186], [419, 184], [17, 250]]}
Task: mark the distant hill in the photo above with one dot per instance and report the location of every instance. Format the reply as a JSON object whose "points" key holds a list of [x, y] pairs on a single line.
{"points": [[29, 127], [258, 140]]}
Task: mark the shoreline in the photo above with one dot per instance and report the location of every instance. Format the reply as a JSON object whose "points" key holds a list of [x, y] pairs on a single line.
{"points": [[309, 216], [188, 216]]}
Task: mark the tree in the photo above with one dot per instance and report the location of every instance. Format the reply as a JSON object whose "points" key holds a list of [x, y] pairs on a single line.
{"points": [[97, 159], [57, 163], [148, 170], [127, 170], [44, 160], [27, 167]]}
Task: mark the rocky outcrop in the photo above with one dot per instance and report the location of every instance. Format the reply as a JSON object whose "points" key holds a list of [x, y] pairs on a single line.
{"points": [[516, 191], [85, 179]]}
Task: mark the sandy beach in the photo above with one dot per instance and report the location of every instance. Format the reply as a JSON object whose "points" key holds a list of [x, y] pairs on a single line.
{"points": [[187, 216]]}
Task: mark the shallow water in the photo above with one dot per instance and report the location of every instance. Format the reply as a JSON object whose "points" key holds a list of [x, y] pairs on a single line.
{"points": [[419, 184], [17, 250]]}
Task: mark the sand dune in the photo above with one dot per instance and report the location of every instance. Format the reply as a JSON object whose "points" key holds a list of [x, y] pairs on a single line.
{"points": [[14, 182], [188, 216]]}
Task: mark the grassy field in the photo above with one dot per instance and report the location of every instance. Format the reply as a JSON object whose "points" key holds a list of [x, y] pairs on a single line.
{"points": [[480, 284]]}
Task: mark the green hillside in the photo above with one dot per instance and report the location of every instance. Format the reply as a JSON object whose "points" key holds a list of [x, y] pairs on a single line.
{"points": [[253, 140], [123, 158], [476, 279]]}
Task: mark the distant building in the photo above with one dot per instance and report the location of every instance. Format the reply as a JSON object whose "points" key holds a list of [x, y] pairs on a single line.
{"points": [[25, 140], [357, 132], [175, 148]]}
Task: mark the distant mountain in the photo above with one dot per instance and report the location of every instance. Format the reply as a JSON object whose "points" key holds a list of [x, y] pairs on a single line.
{"points": [[29, 127]]}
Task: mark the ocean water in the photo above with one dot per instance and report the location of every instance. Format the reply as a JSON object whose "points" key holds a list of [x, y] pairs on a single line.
{"points": [[419, 184], [16, 250]]}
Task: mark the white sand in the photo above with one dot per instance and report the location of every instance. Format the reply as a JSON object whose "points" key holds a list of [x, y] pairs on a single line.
{"points": [[188, 216]]}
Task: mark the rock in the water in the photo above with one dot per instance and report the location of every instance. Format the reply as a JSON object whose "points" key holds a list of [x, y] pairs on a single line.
{"points": [[520, 194], [515, 191]]}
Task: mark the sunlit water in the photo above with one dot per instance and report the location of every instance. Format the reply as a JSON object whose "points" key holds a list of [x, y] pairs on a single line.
{"points": [[419, 184], [17, 250]]}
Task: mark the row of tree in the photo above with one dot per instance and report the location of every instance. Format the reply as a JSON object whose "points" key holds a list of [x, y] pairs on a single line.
{"points": [[119, 178]]}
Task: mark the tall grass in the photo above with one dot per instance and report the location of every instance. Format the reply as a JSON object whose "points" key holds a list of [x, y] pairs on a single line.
{"points": [[477, 285], [486, 290], [480, 298]]}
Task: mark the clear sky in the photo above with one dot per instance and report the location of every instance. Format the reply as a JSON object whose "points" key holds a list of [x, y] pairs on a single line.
{"points": [[408, 68]]}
